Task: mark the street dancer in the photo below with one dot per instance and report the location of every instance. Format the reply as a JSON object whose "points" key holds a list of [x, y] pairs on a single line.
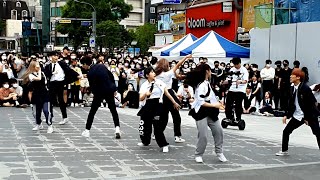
{"points": [[302, 109]]}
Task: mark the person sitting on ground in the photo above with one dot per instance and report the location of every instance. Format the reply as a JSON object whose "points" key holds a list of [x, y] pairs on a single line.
{"points": [[117, 99], [87, 98], [185, 95], [130, 97], [18, 90], [249, 102], [267, 105], [7, 95]]}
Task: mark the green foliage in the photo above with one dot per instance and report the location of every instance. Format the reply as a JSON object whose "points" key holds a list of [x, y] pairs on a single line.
{"points": [[145, 36], [107, 10]]}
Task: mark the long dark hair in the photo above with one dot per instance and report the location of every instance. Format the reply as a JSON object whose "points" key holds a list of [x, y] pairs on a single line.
{"points": [[197, 76]]}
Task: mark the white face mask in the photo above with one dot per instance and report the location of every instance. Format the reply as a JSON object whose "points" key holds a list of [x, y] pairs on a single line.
{"points": [[126, 64], [67, 61], [193, 67], [130, 88], [145, 63], [217, 88], [231, 64], [73, 57], [185, 66], [254, 69], [6, 86], [15, 85], [138, 66], [268, 65], [132, 66], [136, 60]]}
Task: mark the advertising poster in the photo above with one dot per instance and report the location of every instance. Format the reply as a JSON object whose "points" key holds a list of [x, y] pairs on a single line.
{"points": [[263, 16], [165, 22], [248, 20], [178, 27]]}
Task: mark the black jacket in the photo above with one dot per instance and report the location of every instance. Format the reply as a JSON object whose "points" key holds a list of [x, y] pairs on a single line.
{"points": [[307, 103], [101, 80], [70, 75]]}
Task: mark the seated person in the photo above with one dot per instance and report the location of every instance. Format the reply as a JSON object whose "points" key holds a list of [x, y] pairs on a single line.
{"points": [[117, 99], [87, 98], [267, 105], [7, 96], [249, 102], [185, 95], [130, 97], [16, 89]]}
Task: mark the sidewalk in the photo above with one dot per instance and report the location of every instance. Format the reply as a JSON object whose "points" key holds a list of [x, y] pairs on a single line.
{"points": [[65, 154]]}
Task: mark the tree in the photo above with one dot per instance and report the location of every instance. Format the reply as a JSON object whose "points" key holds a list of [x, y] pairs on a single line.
{"points": [[114, 10], [145, 36], [2, 26]]}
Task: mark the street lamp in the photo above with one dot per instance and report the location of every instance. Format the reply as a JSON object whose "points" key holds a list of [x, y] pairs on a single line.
{"points": [[94, 22]]}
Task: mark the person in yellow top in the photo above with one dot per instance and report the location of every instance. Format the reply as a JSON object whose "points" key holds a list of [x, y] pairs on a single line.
{"points": [[75, 87]]}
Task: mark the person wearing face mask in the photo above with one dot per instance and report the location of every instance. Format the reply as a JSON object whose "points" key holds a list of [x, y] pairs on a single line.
{"points": [[122, 85], [277, 84], [7, 95], [185, 68], [216, 74], [132, 74], [296, 64], [3, 74], [17, 90], [255, 72], [145, 63], [115, 71], [59, 76], [285, 84], [267, 77], [130, 97], [75, 86]]}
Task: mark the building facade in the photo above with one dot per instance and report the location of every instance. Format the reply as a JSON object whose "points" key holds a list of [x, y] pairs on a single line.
{"points": [[57, 38], [136, 16]]}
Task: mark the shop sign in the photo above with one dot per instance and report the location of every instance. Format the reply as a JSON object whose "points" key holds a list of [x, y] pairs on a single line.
{"points": [[203, 23], [171, 1]]}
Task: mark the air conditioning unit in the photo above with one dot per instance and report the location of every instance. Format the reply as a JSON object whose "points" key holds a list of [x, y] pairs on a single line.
{"points": [[152, 21]]}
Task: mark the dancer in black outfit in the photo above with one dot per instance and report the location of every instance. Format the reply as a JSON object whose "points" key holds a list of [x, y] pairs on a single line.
{"points": [[302, 109]]}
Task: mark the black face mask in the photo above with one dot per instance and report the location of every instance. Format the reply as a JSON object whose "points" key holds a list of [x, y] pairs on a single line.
{"points": [[279, 66], [216, 65], [285, 65]]}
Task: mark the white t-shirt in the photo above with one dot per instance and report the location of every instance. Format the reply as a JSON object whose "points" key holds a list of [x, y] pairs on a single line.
{"points": [[166, 77], [157, 92], [298, 113], [60, 73], [244, 76], [202, 89], [183, 93]]}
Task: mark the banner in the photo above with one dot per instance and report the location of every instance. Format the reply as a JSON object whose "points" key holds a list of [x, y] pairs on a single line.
{"points": [[263, 16], [248, 20]]}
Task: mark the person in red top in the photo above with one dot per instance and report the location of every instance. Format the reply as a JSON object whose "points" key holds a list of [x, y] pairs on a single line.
{"points": [[7, 96]]}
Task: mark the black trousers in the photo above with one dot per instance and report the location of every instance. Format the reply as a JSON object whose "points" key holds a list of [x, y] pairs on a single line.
{"points": [[267, 85], [294, 124], [159, 125], [97, 99], [168, 107], [234, 100], [75, 91], [277, 96], [56, 89]]}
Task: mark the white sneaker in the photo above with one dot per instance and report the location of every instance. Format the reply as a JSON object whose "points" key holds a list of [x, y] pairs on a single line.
{"points": [[221, 157], [40, 126], [86, 133], [282, 153], [50, 129], [64, 121], [117, 133], [178, 139], [72, 105], [199, 159], [165, 149], [153, 137], [76, 105], [36, 128], [141, 144], [102, 106]]}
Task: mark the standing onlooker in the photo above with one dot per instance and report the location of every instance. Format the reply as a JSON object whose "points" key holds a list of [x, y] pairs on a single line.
{"points": [[75, 87], [267, 76], [277, 84], [301, 109], [285, 85], [205, 98]]}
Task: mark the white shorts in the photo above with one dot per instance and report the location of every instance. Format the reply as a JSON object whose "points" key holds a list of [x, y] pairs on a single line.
{"points": [[84, 82]]}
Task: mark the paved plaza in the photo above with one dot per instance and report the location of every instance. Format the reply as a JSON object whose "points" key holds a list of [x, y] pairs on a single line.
{"points": [[65, 154]]}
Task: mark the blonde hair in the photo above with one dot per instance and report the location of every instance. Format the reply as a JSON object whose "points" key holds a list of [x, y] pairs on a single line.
{"points": [[31, 69]]}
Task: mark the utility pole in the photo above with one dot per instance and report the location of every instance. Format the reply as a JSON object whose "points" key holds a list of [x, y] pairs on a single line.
{"points": [[55, 23]]}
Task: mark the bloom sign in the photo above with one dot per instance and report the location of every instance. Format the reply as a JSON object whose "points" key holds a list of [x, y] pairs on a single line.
{"points": [[203, 23]]}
